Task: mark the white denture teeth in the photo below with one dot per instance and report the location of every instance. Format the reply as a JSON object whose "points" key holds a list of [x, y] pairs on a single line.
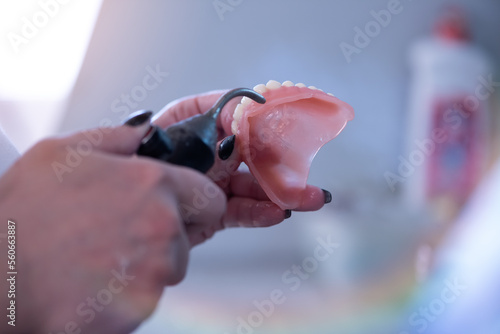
{"points": [[245, 100], [273, 84], [261, 89], [234, 127], [238, 112]]}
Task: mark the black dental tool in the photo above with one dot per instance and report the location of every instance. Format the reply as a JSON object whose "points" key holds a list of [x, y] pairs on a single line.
{"points": [[192, 141]]}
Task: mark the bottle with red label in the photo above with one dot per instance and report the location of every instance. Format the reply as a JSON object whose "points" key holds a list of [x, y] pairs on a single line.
{"points": [[449, 109]]}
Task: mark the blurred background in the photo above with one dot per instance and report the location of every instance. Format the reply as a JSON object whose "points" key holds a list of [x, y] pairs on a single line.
{"points": [[414, 176]]}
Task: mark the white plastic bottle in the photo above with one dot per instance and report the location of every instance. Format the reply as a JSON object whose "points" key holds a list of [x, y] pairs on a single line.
{"points": [[448, 120]]}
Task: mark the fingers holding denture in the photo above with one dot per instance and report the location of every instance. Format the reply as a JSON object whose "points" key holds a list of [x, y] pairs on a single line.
{"points": [[226, 164], [248, 212], [279, 139], [241, 212], [226, 147]]}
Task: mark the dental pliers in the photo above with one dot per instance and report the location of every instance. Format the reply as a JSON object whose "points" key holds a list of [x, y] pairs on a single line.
{"points": [[191, 142]]}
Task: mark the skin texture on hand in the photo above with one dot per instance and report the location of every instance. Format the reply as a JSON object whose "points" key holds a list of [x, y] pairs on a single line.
{"points": [[98, 242], [247, 205], [95, 250]]}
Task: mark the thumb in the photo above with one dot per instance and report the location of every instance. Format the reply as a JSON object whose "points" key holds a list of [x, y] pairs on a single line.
{"points": [[124, 139]]}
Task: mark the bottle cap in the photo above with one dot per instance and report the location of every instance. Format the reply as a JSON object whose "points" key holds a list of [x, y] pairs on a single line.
{"points": [[452, 25]]}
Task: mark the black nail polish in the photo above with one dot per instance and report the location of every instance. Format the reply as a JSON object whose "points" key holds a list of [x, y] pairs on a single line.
{"points": [[288, 213], [328, 196], [226, 147], [138, 118]]}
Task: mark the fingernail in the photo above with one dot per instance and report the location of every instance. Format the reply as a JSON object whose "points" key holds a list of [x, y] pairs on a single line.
{"points": [[288, 213], [226, 147], [328, 196], [138, 118]]}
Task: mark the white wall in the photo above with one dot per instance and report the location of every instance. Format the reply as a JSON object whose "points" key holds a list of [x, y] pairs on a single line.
{"points": [[259, 40]]}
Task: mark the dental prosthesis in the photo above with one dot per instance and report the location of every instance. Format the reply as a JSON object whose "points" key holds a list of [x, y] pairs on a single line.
{"points": [[278, 140]]}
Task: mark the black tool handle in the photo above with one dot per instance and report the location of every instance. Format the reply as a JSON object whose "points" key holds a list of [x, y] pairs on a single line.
{"points": [[191, 142]]}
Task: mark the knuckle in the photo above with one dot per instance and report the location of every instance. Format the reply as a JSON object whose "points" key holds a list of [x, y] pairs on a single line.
{"points": [[47, 146], [161, 228], [174, 239], [164, 221], [45, 151], [146, 173], [172, 225]]}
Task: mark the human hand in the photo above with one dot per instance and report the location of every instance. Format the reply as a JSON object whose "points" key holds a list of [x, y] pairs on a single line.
{"points": [[247, 205], [100, 235]]}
